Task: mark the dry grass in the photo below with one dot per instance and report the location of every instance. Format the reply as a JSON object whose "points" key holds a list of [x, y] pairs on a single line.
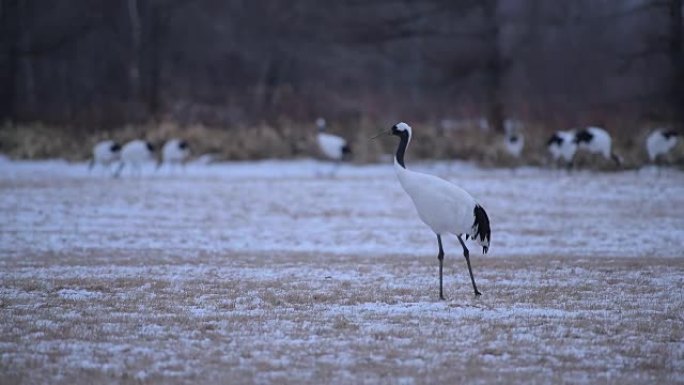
{"points": [[288, 139], [84, 317], [38, 141]]}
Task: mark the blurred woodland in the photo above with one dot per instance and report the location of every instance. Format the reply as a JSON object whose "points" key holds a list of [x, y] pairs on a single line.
{"points": [[93, 65]]}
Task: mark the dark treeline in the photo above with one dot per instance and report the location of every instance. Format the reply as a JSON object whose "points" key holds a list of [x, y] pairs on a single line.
{"points": [[104, 63]]}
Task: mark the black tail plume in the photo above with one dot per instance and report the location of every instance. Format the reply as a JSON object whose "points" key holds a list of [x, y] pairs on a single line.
{"points": [[346, 152], [482, 232]]}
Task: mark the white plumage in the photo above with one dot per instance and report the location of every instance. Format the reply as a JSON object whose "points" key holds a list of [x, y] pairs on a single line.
{"points": [[562, 146], [514, 144], [175, 151], [332, 146], [596, 140], [105, 153], [443, 206], [660, 142], [134, 154], [514, 141]]}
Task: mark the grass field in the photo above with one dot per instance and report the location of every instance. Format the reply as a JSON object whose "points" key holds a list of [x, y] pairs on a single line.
{"points": [[269, 272]]}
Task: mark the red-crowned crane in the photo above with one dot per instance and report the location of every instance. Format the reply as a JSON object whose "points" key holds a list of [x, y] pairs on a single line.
{"points": [[105, 153], [562, 147], [514, 141], [596, 140], [175, 152], [134, 154], [660, 142], [332, 146], [443, 206]]}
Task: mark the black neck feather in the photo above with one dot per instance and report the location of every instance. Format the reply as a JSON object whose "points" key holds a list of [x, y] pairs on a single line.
{"points": [[403, 143]]}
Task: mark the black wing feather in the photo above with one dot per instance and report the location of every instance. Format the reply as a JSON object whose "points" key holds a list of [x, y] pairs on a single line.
{"points": [[555, 139], [583, 136]]}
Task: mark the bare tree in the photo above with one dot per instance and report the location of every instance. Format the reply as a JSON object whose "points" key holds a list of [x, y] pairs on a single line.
{"points": [[9, 38], [221, 62], [494, 66], [676, 56]]}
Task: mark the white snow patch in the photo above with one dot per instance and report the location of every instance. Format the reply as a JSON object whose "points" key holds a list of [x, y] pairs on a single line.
{"points": [[78, 294], [283, 206]]}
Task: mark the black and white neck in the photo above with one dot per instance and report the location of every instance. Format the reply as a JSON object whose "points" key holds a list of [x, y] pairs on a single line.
{"points": [[403, 131]]}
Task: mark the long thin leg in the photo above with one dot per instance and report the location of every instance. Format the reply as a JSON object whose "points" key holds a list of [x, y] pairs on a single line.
{"points": [[440, 256], [466, 254], [118, 170], [335, 167]]}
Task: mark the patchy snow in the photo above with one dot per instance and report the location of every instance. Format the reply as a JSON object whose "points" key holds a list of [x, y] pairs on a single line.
{"points": [[286, 206], [77, 295], [266, 272], [376, 316]]}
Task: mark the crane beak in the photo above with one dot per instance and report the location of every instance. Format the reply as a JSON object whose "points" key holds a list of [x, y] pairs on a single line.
{"points": [[386, 132]]}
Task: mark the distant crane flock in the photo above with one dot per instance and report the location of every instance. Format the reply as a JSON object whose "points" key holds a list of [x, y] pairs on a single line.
{"points": [[137, 152], [562, 146]]}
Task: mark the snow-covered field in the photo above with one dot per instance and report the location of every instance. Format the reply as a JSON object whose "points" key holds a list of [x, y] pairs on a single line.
{"points": [[271, 272]]}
